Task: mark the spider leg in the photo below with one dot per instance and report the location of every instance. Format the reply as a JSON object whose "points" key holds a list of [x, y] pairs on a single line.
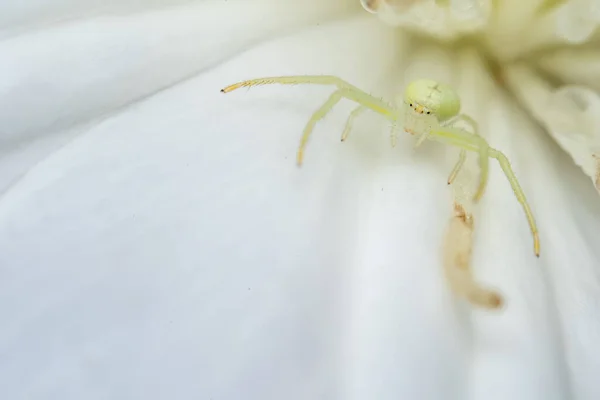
{"points": [[514, 183], [345, 90], [484, 172], [467, 141], [464, 118], [291, 80], [317, 115], [483, 152], [351, 92], [353, 115], [421, 138], [462, 157]]}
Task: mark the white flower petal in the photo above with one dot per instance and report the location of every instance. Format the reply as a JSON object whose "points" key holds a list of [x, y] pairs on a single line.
{"points": [[396, 6], [471, 10], [76, 73], [568, 216], [539, 33], [33, 14], [503, 260], [180, 236], [401, 315], [174, 248], [531, 26], [444, 21], [577, 21], [543, 304], [510, 18], [579, 66], [92, 73], [570, 114]]}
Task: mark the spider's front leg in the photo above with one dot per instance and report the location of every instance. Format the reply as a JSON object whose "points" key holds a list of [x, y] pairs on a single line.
{"points": [[344, 90]]}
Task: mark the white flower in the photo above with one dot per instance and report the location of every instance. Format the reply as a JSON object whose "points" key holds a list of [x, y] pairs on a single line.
{"points": [[157, 240]]}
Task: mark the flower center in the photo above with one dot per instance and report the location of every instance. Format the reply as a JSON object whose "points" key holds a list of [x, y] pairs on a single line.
{"points": [[508, 30]]}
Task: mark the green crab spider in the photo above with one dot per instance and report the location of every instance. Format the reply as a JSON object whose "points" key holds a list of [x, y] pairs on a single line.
{"points": [[429, 109]]}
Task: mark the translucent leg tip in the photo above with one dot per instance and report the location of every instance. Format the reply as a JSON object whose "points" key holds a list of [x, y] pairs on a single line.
{"points": [[299, 158]]}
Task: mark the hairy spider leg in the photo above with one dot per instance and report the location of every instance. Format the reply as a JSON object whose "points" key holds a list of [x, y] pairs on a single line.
{"points": [[421, 138], [482, 150], [484, 172], [464, 118], [483, 155], [317, 115], [350, 121], [345, 90], [518, 191]]}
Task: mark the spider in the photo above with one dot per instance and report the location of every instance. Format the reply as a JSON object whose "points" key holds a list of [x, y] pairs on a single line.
{"points": [[429, 109]]}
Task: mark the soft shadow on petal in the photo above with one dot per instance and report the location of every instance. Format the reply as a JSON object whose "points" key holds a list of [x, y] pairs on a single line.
{"points": [[518, 348], [558, 27], [511, 17], [581, 66], [575, 273], [67, 74], [573, 264], [570, 213], [405, 339], [569, 114], [509, 343], [19, 16], [547, 324], [55, 82], [175, 250]]}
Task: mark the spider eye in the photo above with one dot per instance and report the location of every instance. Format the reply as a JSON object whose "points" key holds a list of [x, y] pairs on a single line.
{"points": [[410, 104], [428, 112]]}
